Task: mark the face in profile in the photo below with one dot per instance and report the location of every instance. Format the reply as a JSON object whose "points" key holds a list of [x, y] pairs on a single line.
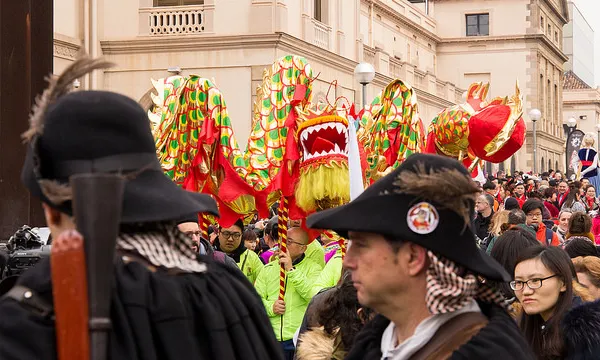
{"points": [[537, 288], [563, 221], [584, 279]]}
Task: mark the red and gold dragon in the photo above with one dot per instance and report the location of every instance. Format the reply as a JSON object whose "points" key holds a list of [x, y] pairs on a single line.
{"points": [[298, 149]]}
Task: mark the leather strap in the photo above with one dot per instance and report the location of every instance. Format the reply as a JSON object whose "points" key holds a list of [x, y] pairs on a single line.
{"points": [[452, 335], [30, 300]]}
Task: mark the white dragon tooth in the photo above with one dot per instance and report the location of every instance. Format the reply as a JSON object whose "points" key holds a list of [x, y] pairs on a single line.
{"points": [[337, 149], [304, 135]]}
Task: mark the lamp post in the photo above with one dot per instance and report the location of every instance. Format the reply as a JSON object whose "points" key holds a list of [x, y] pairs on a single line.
{"points": [[364, 73], [598, 130], [535, 115]]}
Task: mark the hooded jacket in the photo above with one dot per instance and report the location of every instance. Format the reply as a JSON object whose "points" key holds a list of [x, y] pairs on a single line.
{"points": [[581, 332], [298, 286], [500, 339]]}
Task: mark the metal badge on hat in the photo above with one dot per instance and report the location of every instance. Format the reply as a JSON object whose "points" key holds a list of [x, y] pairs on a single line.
{"points": [[422, 218]]}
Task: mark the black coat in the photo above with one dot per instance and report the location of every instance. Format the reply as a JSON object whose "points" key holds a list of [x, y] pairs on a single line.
{"points": [[500, 339], [211, 315], [581, 332], [481, 226]]}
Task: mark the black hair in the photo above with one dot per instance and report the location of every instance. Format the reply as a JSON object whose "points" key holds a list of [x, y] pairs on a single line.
{"points": [[532, 204], [580, 223], [340, 310], [544, 337], [507, 248], [511, 204], [549, 192], [489, 186], [580, 247], [249, 234], [240, 224]]}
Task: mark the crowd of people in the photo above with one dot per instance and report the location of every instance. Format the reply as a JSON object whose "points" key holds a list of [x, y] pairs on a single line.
{"points": [[400, 272]]}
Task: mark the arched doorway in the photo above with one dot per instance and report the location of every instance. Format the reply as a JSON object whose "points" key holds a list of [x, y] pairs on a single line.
{"points": [[542, 165]]}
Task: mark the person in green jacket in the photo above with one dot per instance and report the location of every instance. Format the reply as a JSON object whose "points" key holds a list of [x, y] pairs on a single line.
{"points": [[330, 275], [301, 272], [230, 242], [315, 252]]}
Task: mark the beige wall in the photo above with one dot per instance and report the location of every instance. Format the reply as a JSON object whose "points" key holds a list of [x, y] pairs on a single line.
{"points": [[507, 17], [578, 103]]}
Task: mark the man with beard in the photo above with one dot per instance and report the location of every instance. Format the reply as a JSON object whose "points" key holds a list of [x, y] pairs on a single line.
{"points": [[423, 281]]}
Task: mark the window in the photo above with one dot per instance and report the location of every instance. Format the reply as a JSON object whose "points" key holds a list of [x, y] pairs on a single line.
{"points": [[177, 2], [478, 24], [549, 30], [556, 36], [549, 110], [318, 10], [542, 22]]}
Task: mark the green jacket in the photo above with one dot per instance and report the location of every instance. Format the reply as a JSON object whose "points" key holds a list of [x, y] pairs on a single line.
{"points": [[330, 275], [315, 252], [250, 265], [299, 283]]}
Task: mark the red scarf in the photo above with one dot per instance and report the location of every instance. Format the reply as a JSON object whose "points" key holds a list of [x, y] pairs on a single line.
{"points": [[590, 202]]}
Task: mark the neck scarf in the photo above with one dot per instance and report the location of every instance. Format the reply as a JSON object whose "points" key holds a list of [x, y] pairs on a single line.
{"points": [[450, 287]]}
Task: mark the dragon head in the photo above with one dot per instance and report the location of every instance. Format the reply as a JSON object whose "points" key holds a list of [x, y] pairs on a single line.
{"points": [[323, 180]]}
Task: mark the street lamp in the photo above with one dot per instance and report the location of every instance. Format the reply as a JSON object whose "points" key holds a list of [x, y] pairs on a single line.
{"points": [[571, 123], [598, 130], [364, 73], [535, 115]]}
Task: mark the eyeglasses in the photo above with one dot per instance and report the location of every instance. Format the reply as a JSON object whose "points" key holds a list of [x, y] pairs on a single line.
{"points": [[233, 235], [531, 283], [534, 214], [294, 242]]}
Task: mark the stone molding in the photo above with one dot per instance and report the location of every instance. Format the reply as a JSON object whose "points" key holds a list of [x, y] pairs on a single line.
{"points": [[65, 49]]}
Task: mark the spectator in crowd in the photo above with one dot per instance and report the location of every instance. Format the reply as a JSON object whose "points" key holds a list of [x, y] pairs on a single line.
{"points": [[492, 189], [250, 240], [338, 319], [286, 315], [573, 199], [563, 225], [511, 204], [549, 200], [581, 247], [189, 226], [590, 201], [588, 273], [519, 193], [402, 264], [543, 283], [507, 249], [271, 240], [580, 227], [484, 207], [533, 211], [498, 219], [230, 242], [516, 219], [563, 191]]}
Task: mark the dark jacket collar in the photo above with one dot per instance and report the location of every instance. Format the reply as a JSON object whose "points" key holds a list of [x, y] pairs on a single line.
{"points": [[500, 339]]}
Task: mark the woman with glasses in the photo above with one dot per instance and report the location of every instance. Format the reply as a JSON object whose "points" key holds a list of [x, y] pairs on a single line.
{"points": [[543, 284], [230, 242]]}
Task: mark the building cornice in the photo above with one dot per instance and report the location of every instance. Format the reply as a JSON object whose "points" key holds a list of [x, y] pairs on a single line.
{"points": [[564, 17], [546, 136], [530, 38], [155, 44], [385, 9], [541, 38]]}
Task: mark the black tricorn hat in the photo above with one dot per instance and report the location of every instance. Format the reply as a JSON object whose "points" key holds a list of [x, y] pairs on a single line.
{"points": [[389, 208], [99, 131]]}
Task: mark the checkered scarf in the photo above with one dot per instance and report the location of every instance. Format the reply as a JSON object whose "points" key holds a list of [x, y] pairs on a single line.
{"points": [[450, 287], [163, 246]]}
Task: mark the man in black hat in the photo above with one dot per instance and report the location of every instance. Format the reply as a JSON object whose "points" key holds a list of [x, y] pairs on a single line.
{"points": [[415, 262], [166, 302]]}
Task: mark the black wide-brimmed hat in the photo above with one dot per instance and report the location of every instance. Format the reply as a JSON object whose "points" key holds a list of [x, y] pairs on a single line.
{"points": [[387, 208], [104, 132]]}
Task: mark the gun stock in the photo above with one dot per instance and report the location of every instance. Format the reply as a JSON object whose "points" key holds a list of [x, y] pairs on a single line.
{"points": [[97, 203]]}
